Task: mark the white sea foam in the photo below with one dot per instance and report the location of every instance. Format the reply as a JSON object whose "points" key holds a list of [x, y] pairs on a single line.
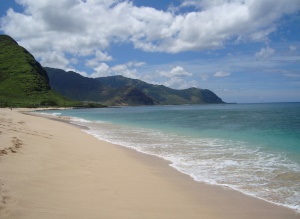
{"points": [[74, 120], [268, 175], [51, 114], [79, 121], [220, 162]]}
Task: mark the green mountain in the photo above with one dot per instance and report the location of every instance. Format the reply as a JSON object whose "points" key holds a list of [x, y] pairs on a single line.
{"points": [[162, 94], [119, 90], [23, 81], [77, 87], [130, 95]]}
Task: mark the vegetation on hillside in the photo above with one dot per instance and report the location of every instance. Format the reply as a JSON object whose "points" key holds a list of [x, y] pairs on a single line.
{"points": [[119, 90], [23, 81], [162, 94], [75, 86]]}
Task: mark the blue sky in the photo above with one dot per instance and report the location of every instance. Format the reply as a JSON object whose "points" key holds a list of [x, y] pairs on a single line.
{"points": [[243, 50]]}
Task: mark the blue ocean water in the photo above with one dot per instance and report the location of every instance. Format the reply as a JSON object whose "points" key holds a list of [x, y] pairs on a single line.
{"points": [[252, 148]]}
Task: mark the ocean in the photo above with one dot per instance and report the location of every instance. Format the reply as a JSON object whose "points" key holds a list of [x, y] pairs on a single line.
{"points": [[252, 148]]}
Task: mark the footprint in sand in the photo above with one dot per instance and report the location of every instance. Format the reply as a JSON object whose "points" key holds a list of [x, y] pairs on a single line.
{"points": [[3, 152]]}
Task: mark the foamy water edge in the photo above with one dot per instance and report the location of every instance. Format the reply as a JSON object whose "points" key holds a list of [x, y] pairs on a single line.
{"points": [[175, 162]]}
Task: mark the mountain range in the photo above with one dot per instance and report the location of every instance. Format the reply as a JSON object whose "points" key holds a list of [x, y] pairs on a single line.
{"points": [[25, 83], [119, 90]]}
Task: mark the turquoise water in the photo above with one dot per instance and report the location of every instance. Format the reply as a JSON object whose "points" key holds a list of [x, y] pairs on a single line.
{"points": [[252, 148]]}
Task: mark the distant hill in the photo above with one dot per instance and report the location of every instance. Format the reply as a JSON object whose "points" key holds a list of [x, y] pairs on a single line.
{"points": [[162, 94], [23, 81], [77, 87], [119, 90]]}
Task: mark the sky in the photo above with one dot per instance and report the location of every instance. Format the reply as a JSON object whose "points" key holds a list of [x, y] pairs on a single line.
{"points": [[245, 51]]}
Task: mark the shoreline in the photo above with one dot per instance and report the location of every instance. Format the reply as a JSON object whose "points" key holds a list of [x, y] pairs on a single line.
{"points": [[80, 176]]}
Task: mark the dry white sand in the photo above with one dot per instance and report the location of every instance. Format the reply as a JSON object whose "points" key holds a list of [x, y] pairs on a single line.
{"points": [[51, 169]]}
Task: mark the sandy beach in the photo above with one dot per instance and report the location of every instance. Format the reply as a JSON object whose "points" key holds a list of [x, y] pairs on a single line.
{"points": [[52, 169]]}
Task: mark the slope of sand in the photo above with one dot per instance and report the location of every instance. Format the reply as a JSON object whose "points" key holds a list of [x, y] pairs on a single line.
{"points": [[51, 169]]}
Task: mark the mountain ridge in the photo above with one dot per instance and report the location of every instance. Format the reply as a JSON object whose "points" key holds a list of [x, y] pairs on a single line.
{"points": [[160, 92], [119, 90], [24, 82]]}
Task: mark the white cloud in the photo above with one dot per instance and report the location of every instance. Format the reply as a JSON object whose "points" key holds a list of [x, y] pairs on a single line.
{"points": [[135, 64], [83, 27], [177, 71], [100, 57], [101, 70], [127, 70], [124, 70], [54, 59], [221, 74], [265, 53], [180, 83], [177, 77]]}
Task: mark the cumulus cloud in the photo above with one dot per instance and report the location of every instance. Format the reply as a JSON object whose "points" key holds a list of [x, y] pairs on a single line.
{"points": [[124, 70], [101, 70], [127, 70], [177, 77], [179, 83], [265, 53], [99, 57], [54, 59], [177, 71], [221, 74], [135, 64], [83, 27]]}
